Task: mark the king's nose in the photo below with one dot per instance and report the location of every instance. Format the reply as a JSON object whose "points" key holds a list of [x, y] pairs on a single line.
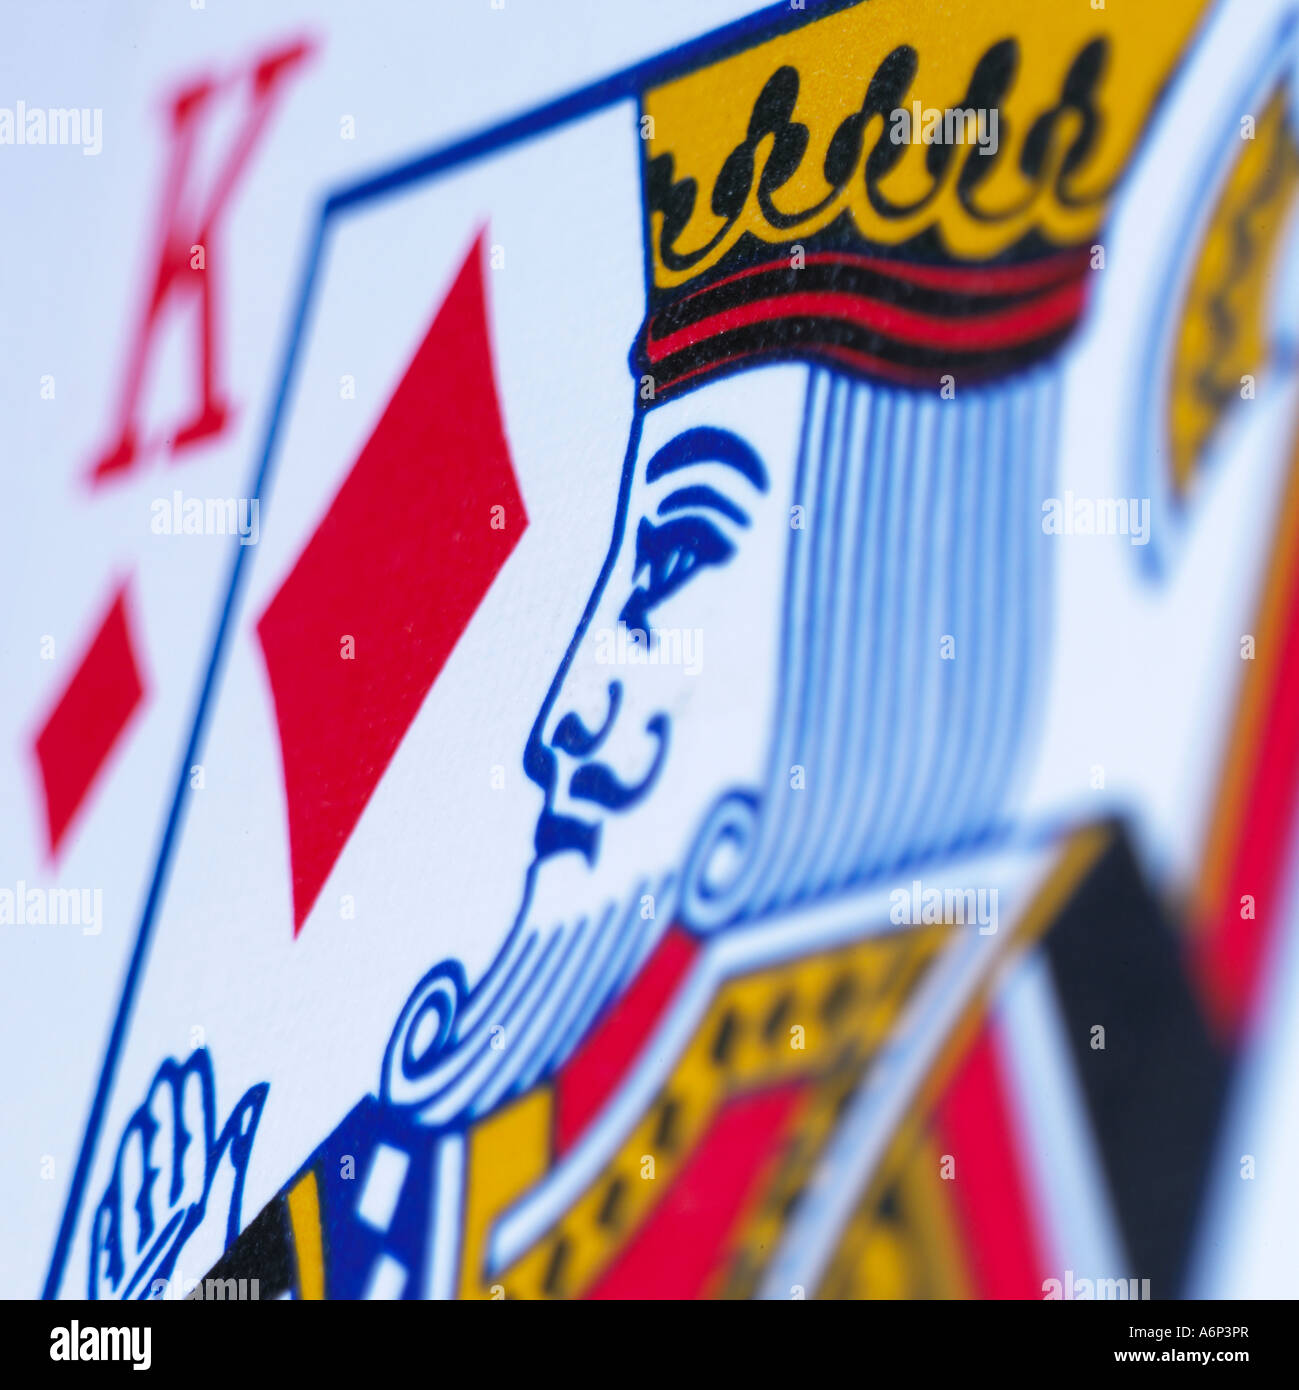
{"points": [[566, 740], [573, 736], [577, 767], [593, 768]]}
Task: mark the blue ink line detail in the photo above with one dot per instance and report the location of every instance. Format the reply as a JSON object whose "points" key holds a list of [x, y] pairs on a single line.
{"points": [[625, 85]]}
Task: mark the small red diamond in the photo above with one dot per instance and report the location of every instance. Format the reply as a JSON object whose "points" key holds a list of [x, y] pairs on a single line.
{"points": [[399, 565], [90, 718]]}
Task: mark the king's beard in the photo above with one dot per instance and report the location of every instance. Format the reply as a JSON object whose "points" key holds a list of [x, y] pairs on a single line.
{"points": [[579, 938], [594, 927]]}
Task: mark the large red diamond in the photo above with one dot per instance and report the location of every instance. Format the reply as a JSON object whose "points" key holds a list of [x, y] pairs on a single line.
{"points": [[91, 716], [399, 564]]}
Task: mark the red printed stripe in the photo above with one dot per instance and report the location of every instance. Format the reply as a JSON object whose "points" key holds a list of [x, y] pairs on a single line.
{"points": [[975, 279], [976, 1129], [881, 366], [1002, 329], [850, 357], [598, 1066], [1230, 955], [686, 1240]]}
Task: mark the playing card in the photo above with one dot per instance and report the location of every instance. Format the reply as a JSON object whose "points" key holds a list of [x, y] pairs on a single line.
{"points": [[665, 674]]}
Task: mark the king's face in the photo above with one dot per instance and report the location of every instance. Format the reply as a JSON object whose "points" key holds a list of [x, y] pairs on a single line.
{"points": [[665, 698]]}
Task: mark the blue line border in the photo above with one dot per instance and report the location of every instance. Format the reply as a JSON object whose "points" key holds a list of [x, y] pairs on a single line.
{"points": [[624, 85]]}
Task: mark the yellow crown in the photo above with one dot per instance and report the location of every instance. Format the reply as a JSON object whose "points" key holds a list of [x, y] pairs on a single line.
{"points": [[784, 139]]}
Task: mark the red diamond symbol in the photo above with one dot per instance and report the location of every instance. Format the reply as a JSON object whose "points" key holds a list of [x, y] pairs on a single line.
{"points": [[90, 717], [360, 630]]}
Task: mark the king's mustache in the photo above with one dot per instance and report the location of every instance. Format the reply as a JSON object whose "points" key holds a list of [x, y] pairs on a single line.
{"points": [[599, 784], [591, 781]]}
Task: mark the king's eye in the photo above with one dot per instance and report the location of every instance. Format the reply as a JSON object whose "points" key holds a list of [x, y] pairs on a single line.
{"points": [[668, 554], [701, 495]]}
